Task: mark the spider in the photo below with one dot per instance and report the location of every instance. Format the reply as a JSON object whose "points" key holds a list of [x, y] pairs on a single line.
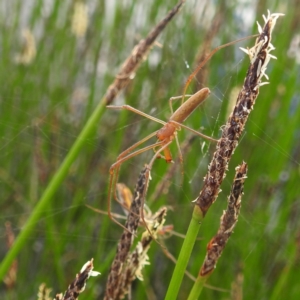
{"points": [[166, 135]]}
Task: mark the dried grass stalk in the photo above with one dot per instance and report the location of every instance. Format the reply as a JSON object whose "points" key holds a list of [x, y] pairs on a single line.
{"points": [[28, 51], [232, 130], [113, 284], [80, 19], [139, 258], [137, 55], [205, 47], [228, 221], [11, 276], [78, 285]]}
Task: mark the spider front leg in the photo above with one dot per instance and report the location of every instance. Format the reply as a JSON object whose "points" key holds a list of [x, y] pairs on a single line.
{"points": [[114, 172], [176, 98], [126, 154]]}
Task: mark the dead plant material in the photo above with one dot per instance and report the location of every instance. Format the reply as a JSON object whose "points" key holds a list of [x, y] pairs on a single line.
{"points": [[237, 286], [113, 284], [11, 276], [205, 48], [78, 285], [44, 292], [137, 55], [228, 221], [40, 163], [232, 130], [28, 52], [139, 258], [80, 19]]}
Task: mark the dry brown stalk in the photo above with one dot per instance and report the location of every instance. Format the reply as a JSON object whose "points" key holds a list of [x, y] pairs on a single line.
{"points": [[237, 286], [205, 48], [114, 278], [39, 161], [78, 285], [80, 19], [227, 223], [137, 55], [139, 258], [11, 276], [28, 51], [232, 130]]}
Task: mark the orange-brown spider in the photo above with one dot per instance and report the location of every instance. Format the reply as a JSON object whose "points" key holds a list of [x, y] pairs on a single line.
{"points": [[166, 134]]}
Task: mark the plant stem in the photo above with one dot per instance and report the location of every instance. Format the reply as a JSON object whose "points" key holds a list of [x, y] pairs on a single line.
{"points": [[185, 254], [284, 276], [197, 288]]}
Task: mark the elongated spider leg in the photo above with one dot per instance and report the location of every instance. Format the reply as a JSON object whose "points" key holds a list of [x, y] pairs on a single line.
{"points": [[180, 159], [102, 212], [207, 58], [125, 153], [167, 155], [176, 98], [195, 131], [113, 179], [166, 229], [130, 108], [170, 256]]}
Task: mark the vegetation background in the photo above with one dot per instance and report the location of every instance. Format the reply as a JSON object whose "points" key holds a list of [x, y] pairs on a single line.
{"points": [[54, 72]]}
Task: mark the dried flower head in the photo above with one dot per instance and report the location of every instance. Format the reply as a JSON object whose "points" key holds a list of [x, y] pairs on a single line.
{"points": [[78, 285], [139, 258], [28, 51], [227, 223], [80, 19], [259, 56], [44, 292]]}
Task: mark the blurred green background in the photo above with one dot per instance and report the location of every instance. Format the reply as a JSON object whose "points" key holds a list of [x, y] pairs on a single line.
{"points": [[57, 60]]}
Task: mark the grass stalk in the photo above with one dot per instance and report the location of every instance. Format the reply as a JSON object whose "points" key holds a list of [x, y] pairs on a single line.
{"points": [[259, 58], [284, 276], [185, 254], [197, 287]]}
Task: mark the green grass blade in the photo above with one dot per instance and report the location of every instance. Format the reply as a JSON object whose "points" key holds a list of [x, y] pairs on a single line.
{"points": [[52, 188], [185, 254]]}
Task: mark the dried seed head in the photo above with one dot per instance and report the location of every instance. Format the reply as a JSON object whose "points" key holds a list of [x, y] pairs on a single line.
{"points": [[80, 19], [227, 223], [117, 274], [28, 51], [44, 292], [139, 258], [259, 56], [78, 285]]}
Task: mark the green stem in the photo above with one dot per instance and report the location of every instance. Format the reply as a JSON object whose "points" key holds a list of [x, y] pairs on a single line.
{"points": [[197, 288], [185, 254], [52, 188], [284, 276]]}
